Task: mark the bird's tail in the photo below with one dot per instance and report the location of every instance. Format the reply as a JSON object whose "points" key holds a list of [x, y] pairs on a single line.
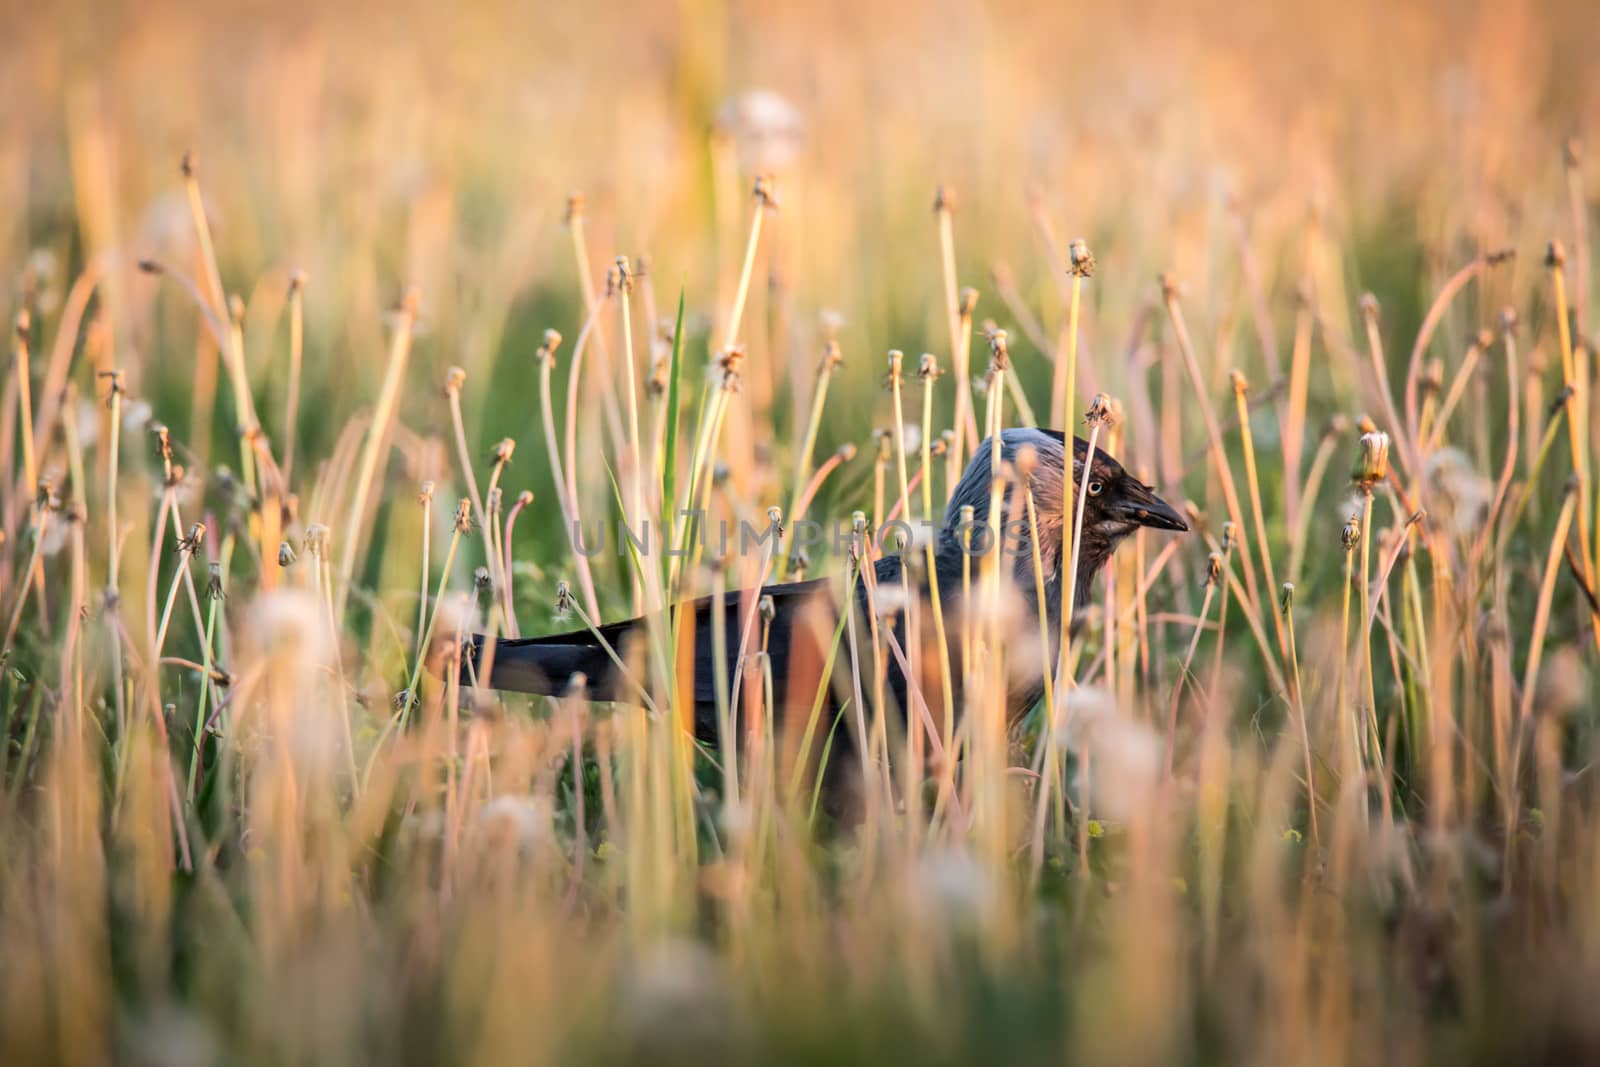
{"points": [[541, 665]]}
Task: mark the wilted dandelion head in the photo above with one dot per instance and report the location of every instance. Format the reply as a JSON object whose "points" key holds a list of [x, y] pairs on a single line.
{"points": [[458, 614], [889, 601], [1126, 754], [1372, 460], [1080, 259], [1564, 683], [1460, 496], [953, 886], [674, 1003], [767, 130], [289, 628], [512, 823]]}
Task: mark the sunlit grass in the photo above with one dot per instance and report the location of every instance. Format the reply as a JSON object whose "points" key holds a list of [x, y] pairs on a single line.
{"points": [[1312, 782]]}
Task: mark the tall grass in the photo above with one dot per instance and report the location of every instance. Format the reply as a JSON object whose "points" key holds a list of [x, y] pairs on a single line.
{"points": [[1312, 783]]}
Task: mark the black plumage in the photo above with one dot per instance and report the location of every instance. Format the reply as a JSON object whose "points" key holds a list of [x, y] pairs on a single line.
{"points": [[798, 634]]}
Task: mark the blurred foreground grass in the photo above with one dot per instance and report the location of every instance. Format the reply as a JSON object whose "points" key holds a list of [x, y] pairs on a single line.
{"points": [[1361, 828]]}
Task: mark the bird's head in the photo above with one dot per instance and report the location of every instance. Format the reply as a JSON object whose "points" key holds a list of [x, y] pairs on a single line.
{"points": [[1115, 505]]}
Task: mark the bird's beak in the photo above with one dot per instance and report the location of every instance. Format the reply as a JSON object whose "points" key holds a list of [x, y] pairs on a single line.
{"points": [[1141, 506]]}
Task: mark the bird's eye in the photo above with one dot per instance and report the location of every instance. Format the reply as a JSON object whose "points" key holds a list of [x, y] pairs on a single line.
{"points": [[1095, 487]]}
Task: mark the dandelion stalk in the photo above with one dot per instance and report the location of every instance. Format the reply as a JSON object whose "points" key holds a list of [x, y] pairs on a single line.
{"points": [[524, 498], [44, 504], [113, 594], [832, 358], [1082, 266], [944, 203], [1297, 700], [546, 358], [1308, 498], [30, 462], [1371, 469], [635, 452], [928, 371], [503, 451], [1098, 415], [1241, 389], [187, 547], [214, 595], [1541, 617], [462, 525], [1577, 393], [1213, 581], [424, 498], [377, 442], [1219, 458], [1295, 413], [232, 340], [1351, 537], [297, 334], [1027, 463]]}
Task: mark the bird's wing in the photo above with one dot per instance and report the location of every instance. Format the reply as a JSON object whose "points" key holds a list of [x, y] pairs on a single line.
{"points": [[545, 665]]}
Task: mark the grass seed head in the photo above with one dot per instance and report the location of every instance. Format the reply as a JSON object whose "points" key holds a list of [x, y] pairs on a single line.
{"points": [[999, 350], [547, 350], [1100, 411], [1372, 460], [766, 192], [1080, 258]]}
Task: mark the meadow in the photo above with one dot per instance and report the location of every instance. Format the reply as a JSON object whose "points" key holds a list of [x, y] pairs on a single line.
{"points": [[329, 325]]}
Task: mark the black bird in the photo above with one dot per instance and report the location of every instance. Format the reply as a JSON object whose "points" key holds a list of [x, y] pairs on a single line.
{"points": [[799, 633]]}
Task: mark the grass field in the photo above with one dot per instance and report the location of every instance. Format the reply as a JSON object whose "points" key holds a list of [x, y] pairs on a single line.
{"points": [[282, 420]]}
